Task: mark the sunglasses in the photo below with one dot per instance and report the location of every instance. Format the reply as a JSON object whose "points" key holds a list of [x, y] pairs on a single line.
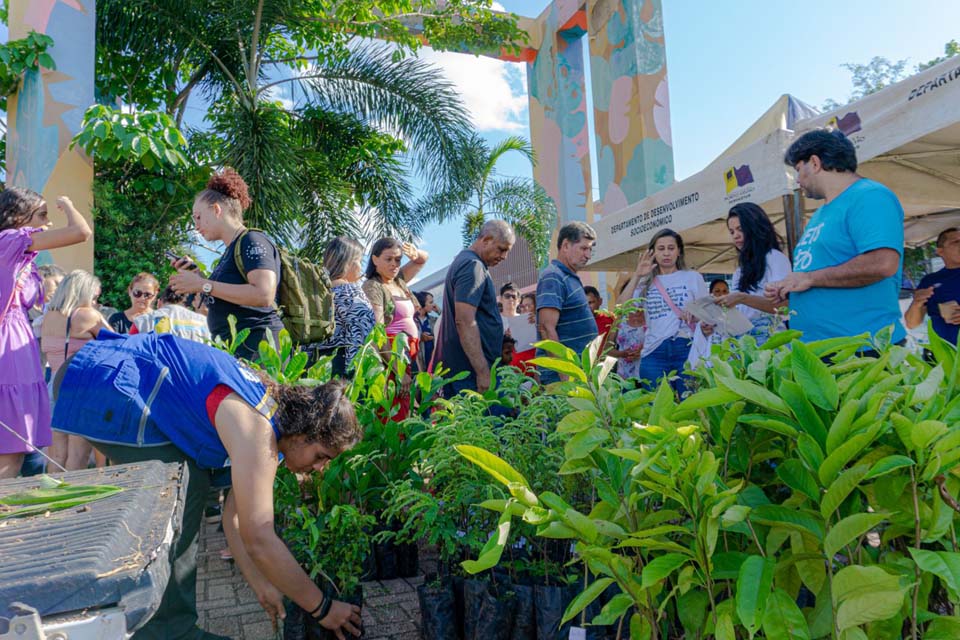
{"points": [[136, 293], [509, 296]]}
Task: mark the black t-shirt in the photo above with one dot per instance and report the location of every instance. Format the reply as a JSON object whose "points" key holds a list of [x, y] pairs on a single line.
{"points": [[119, 322], [468, 281], [257, 251]]}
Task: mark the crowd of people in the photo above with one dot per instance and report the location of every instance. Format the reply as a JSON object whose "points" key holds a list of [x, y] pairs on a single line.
{"points": [[164, 393]]}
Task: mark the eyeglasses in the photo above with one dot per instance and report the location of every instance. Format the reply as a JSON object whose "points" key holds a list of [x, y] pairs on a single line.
{"points": [[509, 296], [136, 293]]}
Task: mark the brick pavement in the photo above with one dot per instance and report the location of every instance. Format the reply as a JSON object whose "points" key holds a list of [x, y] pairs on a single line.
{"points": [[228, 606]]}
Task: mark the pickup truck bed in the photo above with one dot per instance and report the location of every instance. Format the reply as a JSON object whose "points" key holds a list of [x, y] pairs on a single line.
{"points": [[112, 553]]}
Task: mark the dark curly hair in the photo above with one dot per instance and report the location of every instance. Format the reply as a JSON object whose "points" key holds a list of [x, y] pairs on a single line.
{"points": [[17, 206], [378, 248], [759, 238], [834, 149], [323, 413], [227, 189]]}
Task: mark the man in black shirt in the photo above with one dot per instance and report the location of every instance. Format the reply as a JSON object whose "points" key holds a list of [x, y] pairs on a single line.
{"points": [[471, 331]]}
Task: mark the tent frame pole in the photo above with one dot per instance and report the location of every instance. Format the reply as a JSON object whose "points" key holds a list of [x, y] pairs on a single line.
{"points": [[793, 219]]}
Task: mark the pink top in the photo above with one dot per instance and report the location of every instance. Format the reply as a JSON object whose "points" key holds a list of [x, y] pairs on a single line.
{"points": [[403, 321], [55, 352]]}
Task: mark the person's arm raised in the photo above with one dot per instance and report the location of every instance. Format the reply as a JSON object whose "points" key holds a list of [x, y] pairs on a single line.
{"points": [[252, 447], [416, 259], [76, 231], [469, 334]]}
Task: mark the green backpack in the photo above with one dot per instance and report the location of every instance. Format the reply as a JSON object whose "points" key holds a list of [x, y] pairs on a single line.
{"points": [[305, 294]]}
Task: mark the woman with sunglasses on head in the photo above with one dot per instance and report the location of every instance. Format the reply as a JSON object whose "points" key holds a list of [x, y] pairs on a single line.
{"points": [[759, 261], [24, 401], [72, 320], [142, 291], [665, 284]]}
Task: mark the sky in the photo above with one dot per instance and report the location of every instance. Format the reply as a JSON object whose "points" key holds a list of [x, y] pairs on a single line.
{"points": [[727, 62]]}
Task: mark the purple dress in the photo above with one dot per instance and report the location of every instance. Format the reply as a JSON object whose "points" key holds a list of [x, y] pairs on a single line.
{"points": [[24, 403]]}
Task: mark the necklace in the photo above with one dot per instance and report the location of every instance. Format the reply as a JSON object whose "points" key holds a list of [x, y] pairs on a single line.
{"points": [[237, 234]]}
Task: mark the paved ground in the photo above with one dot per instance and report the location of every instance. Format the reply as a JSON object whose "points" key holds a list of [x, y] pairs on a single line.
{"points": [[228, 606]]}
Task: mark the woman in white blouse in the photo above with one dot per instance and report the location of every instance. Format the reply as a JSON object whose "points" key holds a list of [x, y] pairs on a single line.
{"points": [[759, 261]]}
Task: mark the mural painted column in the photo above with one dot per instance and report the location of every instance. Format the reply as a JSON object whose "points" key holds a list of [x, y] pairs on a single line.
{"points": [[631, 102], [46, 113], [558, 111]]}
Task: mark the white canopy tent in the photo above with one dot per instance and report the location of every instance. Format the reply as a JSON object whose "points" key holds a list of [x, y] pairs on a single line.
{"points": [[907, 137]]}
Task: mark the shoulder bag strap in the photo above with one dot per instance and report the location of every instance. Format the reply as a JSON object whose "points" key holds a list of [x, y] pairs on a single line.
{"points": [[670, 303], [66, 343]]}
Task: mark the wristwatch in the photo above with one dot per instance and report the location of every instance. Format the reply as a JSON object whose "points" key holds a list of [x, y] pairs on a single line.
{"points": [[207, 287]]}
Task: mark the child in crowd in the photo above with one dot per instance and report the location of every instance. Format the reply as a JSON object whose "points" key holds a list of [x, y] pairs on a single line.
{"points": [[706, 335]]}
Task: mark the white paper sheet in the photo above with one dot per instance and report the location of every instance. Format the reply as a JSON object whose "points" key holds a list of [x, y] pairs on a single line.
{"points": [[728, 321], [522, 331]]}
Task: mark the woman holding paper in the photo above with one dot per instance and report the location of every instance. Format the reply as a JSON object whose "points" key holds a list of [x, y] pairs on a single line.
{"points": [[666, 286], [759, 261]]}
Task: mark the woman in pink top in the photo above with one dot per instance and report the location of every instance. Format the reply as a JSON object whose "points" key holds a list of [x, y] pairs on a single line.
{"points": [[393, 303], [24, 403], [72, 320]]}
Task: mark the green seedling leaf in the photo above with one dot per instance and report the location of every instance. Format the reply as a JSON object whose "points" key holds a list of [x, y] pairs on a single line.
{"points": [[560, 366], [613, 610], [886, 465], [586, 596], [848, 530], [943, 564], [810, 452], [862, 609], [777, 515], [660, 568], [797, 477], [585, 443], [576, 421], [704, 398], [854, 581], [496, 467], [842, 487], [782, 618], [807, 417], [926, 390], [493, 549], [943, 628], [753, 588], [812, 374], [756, 394], [770, 424]]}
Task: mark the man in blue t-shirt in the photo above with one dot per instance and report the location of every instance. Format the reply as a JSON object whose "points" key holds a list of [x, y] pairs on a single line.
{"points": [[470, 335], [563, 313], [847, 265], [939, 293]]}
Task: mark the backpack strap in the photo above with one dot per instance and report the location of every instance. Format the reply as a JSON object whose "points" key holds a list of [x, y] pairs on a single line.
{"points": [[670, 303], [238, 260]]}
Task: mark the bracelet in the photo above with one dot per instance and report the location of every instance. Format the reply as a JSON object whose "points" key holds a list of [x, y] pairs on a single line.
{"points": [[324, 607], [319, 606]]}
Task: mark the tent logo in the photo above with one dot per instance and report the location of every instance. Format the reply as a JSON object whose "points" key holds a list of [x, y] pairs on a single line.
{"points": [[849, 123], [736, 177]]}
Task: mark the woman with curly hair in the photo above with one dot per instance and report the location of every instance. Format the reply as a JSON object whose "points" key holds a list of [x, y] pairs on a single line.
{"points": [[160, 397], [24, 401], [759, 261], [244, 282]]}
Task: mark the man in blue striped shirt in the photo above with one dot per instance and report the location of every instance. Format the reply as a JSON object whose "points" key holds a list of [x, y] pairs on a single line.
{"points": [[563, 314]]}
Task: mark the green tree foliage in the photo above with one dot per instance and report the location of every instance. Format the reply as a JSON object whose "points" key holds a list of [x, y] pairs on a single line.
{"points": [[520, 201], [387, 116], [880, 72], [16, 58]]}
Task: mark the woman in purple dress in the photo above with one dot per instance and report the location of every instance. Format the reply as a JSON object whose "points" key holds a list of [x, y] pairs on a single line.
{"points": [[24, 403]]}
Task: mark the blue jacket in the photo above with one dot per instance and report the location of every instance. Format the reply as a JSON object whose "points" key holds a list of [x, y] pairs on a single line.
{"points": [[151, 389]]}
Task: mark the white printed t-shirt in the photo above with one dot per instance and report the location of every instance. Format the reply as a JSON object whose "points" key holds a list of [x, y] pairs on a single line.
{"points": [[662, 322], [777, 268]]}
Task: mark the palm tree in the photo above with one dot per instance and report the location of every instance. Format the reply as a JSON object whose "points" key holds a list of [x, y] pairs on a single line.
{"points": [[518, 200], [341, 159]]}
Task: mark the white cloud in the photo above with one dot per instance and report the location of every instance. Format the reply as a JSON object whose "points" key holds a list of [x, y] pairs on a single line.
{"points": [[494, 91]]}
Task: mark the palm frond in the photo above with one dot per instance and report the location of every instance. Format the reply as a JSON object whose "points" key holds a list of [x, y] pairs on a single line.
{"points": [[408, 98]]}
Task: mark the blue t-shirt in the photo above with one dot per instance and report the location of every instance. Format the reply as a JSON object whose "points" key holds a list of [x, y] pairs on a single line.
{"points": [[865, 217], [560, 288], [949, 290]]}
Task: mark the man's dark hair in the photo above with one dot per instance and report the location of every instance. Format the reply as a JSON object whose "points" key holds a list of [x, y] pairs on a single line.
{"points": [[834, 149], [508, 287], [942, 238], [422, 297], [592, 290], [509, 340], [575, 231], [169, 296]]}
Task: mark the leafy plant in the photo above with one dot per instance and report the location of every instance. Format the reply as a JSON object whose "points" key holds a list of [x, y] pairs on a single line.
{"points": [[52, 495]]}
